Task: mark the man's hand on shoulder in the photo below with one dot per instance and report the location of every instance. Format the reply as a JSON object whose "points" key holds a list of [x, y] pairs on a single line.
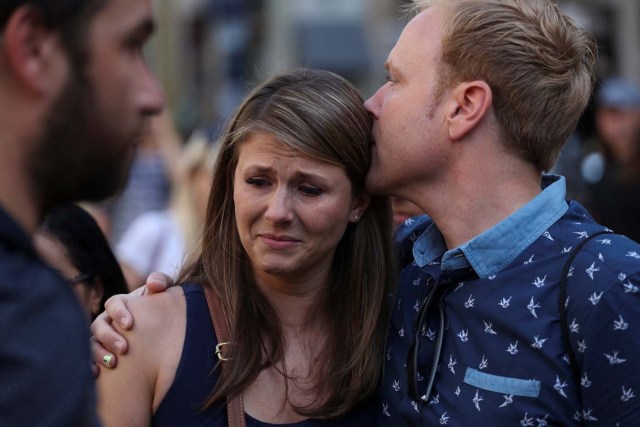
{"points": [[106, 342]]}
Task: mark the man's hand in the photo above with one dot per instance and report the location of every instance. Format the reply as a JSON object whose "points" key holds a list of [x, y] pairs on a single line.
{"points": [[106, 342]]}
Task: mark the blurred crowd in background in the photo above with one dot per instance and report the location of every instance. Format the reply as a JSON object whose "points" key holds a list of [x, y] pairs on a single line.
{"points": [[208, 53]]}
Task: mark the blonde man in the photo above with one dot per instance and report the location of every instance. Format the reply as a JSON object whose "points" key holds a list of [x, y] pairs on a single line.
{"points": [[481, 97]]}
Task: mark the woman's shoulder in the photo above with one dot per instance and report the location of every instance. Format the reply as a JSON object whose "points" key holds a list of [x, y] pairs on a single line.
{"points": [[154, 306], [158, 317], [142, 377]]}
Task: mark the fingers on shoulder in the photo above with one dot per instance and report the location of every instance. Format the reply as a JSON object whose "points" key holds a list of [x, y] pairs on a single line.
{"points": [[153, 312]]}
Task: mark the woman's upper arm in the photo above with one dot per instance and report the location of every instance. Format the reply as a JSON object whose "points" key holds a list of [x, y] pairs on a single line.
{"points": [[126, 395]]}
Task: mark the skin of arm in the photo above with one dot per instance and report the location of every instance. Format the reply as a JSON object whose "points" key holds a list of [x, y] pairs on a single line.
{"points": [[128, 396]]}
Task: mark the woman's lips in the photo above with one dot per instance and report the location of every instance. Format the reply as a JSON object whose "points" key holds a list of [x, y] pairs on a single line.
{"points": [[279, 242]]}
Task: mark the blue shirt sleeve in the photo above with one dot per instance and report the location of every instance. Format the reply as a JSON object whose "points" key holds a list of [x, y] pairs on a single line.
{"points": [[605, 334]]}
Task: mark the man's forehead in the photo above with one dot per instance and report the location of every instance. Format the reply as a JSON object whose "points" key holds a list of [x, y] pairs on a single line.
{"points": [[420, 38], [421, 5], [422, 25]]}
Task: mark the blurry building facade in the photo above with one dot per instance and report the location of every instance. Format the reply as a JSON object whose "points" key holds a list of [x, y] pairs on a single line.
{"points": [[209, 52]]}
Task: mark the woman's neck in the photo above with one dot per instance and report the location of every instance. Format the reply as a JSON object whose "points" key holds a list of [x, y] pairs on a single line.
{"points": [[295, 301], [271, 396]]}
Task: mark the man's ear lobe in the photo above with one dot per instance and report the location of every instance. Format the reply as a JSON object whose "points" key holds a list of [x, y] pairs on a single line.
{"points": [[473, 100], [30, 48]]}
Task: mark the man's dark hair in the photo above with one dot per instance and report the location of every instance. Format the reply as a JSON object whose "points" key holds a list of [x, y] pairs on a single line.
{"points": [[69, 17]]}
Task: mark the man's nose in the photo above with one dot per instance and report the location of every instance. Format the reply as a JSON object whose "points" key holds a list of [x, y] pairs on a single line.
{"points": [[372, 105], [152, 98]]}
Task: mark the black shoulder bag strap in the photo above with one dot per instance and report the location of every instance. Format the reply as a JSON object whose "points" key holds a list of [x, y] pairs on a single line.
{"points": [[564, 324]]}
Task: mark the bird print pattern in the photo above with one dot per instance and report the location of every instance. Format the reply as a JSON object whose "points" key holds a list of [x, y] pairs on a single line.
{"points": [[507, 326]]}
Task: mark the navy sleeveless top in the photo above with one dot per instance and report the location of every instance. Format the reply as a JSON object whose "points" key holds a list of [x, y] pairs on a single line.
{"points": [[196, 377]]}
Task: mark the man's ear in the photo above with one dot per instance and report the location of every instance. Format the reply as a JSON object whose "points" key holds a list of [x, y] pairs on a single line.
{"points": [[472, 101], [31, 50]]}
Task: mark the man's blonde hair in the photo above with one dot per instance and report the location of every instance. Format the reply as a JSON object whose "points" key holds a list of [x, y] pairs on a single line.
{"points": [[538, 63]]}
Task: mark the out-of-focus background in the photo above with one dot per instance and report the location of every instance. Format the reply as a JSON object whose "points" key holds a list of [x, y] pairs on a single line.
{"points": [[208, 53]]}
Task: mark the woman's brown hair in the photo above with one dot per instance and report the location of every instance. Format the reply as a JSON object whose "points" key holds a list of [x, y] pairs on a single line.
{"points": [[320, 115]]}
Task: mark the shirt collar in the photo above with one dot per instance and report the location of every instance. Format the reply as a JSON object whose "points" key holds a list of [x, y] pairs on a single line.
{"points": [[494, 249]]}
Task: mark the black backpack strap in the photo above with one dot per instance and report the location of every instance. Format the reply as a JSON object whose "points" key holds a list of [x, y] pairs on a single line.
{"points": [[564, 325]]}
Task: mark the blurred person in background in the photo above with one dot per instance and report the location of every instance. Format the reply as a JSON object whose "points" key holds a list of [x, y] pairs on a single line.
{"points": [[158, 240], [612, 169], [148, 187], [76, 96], [70, 241]]}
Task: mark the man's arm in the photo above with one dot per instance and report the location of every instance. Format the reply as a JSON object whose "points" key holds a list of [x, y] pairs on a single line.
{"points": [[608, 354]]}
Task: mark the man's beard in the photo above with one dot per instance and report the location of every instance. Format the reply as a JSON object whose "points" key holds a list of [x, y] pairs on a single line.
{"points": [[80, 156]]}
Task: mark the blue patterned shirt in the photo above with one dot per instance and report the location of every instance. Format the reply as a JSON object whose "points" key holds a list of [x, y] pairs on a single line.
{"points": [[503, 361]]}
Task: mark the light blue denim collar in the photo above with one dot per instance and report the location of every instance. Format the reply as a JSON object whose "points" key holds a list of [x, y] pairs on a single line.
{"points": [[494, 249]]}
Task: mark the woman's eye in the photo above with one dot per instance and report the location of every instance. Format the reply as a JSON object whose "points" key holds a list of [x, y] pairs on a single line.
{"points": [[310, 191], [257, 182]]}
